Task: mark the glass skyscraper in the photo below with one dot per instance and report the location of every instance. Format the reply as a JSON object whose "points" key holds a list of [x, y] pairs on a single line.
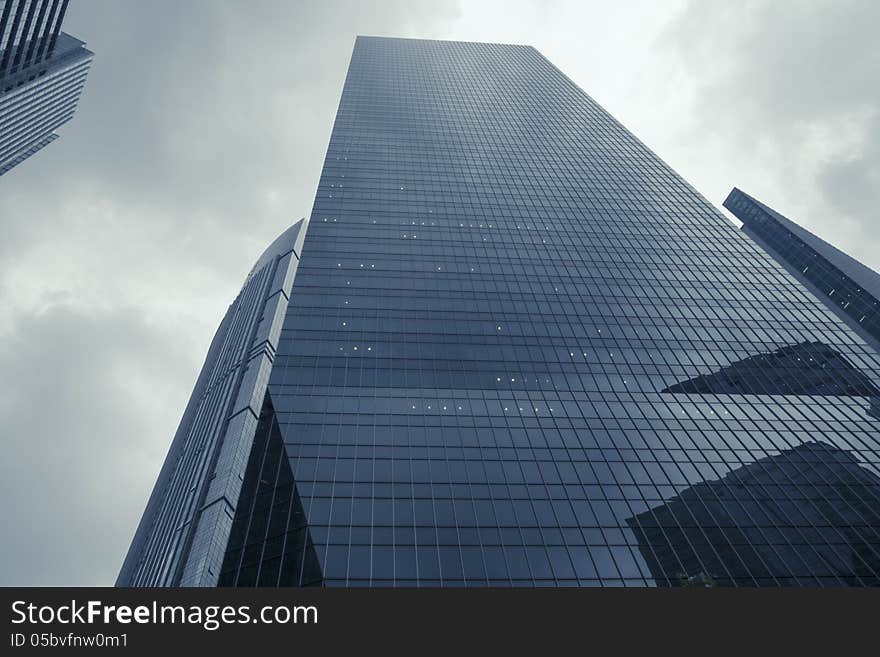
{"points": [[42, 75], [518, 350], [846, 286]]}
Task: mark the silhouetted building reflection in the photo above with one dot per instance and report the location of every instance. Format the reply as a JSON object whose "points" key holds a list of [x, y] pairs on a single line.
{"points": [[807, 516], [809, 368]]}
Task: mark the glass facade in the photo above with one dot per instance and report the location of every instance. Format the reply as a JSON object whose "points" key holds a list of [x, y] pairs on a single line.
{"points": [[270, 523], [719, 546], [42, 75], [499, 285], [845, 285], [520, 350]]}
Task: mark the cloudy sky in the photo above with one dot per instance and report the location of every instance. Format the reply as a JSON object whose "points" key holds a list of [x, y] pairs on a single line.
{"points": [[201, 135]]}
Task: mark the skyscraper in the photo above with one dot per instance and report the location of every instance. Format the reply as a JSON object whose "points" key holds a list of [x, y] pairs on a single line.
{"points": [[846, 286], [519, 350], [42, 75]]}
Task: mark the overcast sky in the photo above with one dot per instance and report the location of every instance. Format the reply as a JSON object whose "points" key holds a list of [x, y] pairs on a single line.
{"points": [[200, 137]]}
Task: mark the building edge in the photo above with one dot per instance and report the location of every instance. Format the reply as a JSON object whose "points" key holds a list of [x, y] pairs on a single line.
{"points": [[182, 535]]}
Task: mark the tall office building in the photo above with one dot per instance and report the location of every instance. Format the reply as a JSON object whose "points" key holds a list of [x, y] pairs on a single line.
{"points": [[518, 350], [846, 286], [42, 74]]}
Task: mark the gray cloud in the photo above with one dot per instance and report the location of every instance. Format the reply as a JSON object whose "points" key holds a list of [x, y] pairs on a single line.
{"points": [[79, 420], [790, 93]]}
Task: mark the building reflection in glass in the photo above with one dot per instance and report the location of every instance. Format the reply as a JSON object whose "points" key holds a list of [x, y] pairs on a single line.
{"points": [[808, 368], [806, 516]]}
